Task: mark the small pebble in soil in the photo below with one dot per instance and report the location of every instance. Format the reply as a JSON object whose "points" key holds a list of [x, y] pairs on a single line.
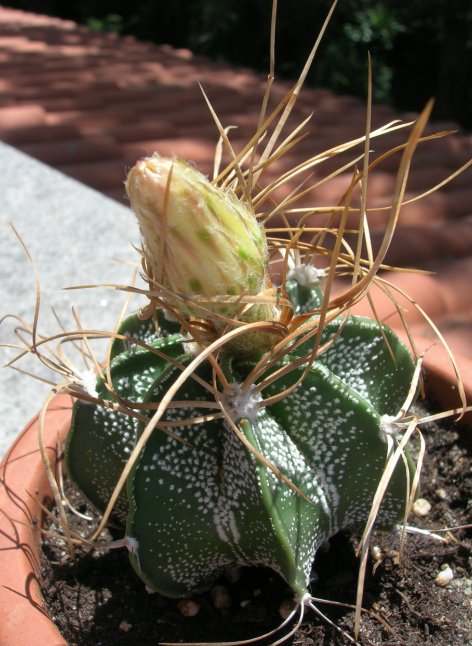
{"points": [[421, 507], [441, 494], [376, 552], [188, 608], [395, 556], [286, 607], [220, 597], [444, 577]]}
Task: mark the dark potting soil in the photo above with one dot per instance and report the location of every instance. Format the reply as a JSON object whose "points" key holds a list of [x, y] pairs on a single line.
{"points": [[96, 599]]}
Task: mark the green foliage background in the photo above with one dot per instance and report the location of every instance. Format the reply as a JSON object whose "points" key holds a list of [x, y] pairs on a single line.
{"points": [[419, 49]]}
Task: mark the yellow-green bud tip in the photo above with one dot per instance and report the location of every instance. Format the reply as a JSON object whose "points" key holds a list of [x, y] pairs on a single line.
{"points": [[198, 239]]}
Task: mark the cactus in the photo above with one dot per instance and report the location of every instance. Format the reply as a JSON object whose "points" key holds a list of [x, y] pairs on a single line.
{"points": [[241, 422], [204, 498]]}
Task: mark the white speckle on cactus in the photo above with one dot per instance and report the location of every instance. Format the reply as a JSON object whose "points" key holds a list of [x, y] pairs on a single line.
{"points": [[306, 275]]}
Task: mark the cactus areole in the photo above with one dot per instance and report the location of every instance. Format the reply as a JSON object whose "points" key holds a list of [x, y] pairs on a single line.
{"points": [[300, 468]]}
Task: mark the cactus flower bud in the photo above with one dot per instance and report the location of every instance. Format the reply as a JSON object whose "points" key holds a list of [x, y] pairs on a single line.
{"points": [[198, 240]]}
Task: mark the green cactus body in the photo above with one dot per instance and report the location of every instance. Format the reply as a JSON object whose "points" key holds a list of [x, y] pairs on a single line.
{"points": [[304, 298], [197, 508], [101, 439]]}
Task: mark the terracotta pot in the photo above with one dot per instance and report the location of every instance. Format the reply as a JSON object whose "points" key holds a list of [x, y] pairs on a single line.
{"points": [[440, 379], [23, 483], [23, 486], [438, 370]]}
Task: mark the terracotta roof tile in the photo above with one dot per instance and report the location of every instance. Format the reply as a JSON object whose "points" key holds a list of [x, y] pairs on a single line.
{"points": [[96, 173], [90, 104], [197, 149], [147, 129], [20, 116], [36, 133], [70, 151], [421, 245]]}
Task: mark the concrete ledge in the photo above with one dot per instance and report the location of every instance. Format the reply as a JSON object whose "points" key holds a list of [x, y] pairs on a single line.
{"points": [[73, 234]]}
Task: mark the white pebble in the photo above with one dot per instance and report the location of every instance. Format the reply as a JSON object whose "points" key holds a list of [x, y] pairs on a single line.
{"points": [[444, 577], [421, 507], [376, 552], [188, 608]]}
